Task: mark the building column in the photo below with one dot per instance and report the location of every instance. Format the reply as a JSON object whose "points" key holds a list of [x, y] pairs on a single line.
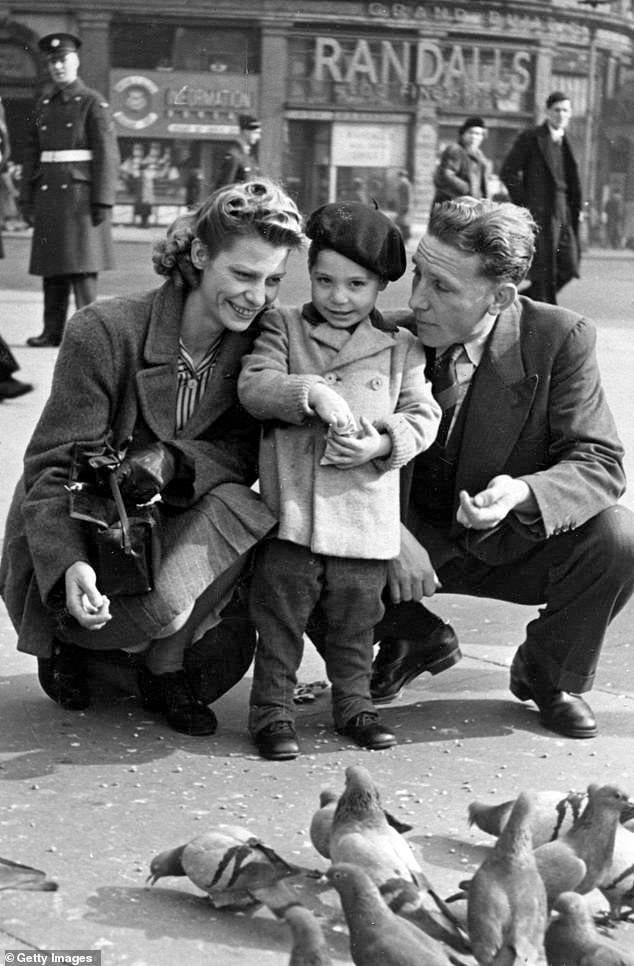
{"points": [[273, 79], [93, 29], [543, 76]]}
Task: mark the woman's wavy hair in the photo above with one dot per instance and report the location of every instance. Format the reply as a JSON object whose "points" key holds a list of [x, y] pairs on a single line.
{"points": [[501, 233], [259, 207]]}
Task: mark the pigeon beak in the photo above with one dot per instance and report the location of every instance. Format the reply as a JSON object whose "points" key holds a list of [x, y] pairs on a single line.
{"points": [[151, 879]]}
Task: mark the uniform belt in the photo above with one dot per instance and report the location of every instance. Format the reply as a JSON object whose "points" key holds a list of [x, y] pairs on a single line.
{"points": [[79, 154]]}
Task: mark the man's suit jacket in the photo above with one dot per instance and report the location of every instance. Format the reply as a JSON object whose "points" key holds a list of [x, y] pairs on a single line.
{"points": [[536, 410], [527, 173]]}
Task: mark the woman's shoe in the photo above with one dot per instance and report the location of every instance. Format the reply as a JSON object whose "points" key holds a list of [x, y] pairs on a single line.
{"points": [[62, 677], [172, 694]]}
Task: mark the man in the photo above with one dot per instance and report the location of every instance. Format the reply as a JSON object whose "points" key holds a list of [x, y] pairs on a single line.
{"points": [[463, 169], [517, 498], [68, 187], [541, 173], [404, 192], [239, 163]]}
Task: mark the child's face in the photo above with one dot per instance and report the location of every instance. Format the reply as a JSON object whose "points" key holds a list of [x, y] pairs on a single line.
{"points": [[341, 290]]}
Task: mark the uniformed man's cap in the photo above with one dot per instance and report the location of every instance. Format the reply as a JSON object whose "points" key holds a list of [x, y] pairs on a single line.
{"points": [[54, 44], [248, 123]]}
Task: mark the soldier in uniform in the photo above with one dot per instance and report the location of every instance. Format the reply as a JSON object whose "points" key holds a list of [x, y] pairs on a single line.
{"points": [[239, 164], [68, 187]]}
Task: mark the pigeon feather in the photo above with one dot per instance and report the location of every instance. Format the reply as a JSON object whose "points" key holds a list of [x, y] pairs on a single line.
{"points": [[24, 878]]}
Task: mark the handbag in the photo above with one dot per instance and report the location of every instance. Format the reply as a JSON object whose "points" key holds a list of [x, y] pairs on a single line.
{"points": [[125, 542]]}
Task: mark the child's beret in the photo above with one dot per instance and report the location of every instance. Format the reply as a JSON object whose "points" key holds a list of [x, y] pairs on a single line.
{"points": [[363, 234]]}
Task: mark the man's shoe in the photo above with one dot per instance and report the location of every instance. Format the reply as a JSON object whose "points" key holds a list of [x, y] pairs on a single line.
{"points": [[400, 660], [42, 342], [150, 690], [183, 711], [61, 676], [367, 731], [277, 741], [12, 388], [566, 714]]}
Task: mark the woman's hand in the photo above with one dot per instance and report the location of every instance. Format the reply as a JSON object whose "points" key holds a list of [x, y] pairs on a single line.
{"points": [[349, 451], [83, 601], [329, 405], [411, 576]]}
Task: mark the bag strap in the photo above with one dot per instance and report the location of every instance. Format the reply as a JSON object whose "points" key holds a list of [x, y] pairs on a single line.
{"points": [[123, 515]]}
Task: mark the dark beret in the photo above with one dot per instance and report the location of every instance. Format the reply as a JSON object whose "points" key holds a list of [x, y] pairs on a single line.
{"points": [[53, 44], [472, 122], [363, 234]]}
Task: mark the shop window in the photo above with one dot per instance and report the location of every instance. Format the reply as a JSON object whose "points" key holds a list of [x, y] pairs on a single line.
{"points": [[145, 46], [233, 51]]}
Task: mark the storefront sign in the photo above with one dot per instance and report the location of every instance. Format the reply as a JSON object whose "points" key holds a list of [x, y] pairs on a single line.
{"points": [[394, 73], [186, 104], [369, 145]]}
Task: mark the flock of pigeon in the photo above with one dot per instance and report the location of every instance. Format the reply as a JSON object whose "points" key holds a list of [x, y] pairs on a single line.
{"points": [[526, 905]]}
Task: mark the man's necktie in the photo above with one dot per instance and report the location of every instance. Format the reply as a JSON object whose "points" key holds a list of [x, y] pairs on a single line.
{"points": [[448, 390]]}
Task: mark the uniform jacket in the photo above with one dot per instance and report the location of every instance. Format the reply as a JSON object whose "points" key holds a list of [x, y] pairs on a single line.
{"points": [[537, 411], [528, 175], [59, 195], [117, 372], [380, 373], [453, 175]]}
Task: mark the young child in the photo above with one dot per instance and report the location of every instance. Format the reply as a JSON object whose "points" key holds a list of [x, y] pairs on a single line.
{"points": [[345, 404]]}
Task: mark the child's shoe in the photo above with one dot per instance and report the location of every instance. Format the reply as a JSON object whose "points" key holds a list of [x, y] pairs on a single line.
{"points": [[277, 741], [368, 732]]}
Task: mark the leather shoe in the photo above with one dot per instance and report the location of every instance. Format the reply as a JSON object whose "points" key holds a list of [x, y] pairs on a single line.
{"points": [[11, 388], [42, 342], [277, 741], [566, 714], [62, 678], [172, 694], [367, 731], [400, 660]]}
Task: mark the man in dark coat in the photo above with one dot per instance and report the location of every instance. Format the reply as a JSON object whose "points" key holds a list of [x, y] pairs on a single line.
{"points": [[69, 180], [541, 173], [517, 498], [239, 164]]}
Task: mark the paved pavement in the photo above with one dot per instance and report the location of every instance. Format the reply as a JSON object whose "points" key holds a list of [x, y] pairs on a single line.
{"points": [[91, 797]]}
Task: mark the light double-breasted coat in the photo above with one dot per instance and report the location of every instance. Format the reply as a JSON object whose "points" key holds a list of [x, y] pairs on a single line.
{"points": [[380, 372], [116, 374]]}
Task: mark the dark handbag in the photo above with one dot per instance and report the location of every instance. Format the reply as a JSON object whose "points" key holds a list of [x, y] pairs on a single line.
{"points": [[125, 542]]}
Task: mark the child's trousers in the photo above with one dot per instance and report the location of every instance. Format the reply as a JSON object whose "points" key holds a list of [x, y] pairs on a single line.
{"points": [[287, 583]]}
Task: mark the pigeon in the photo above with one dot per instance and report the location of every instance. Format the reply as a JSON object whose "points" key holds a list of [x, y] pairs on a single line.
{"points": [[506, 906], [309, 944], [321, 822], [427, 911], [617, 884], [591, 840], [216, 862], [555, 812], [378, 937], [13, 875], [573, 940], [360, 833]]}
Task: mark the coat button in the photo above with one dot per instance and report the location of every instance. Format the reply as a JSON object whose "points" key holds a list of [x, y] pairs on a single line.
{"points": [[43, 127], [376, 383], [62, 186], [330, 377], [69, 124], [44, 187]]}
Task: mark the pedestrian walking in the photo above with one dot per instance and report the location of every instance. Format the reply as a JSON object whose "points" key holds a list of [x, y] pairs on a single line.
{"points": [[615, 219], [239, 164], [68, 187], [403, 204], [541, 174], [463, 169]]}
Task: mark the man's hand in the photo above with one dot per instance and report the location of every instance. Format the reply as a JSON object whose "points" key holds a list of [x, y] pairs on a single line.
{"points": [[349, 451], [329, 405], [489, 507], [83, 600], [98, 214], [411, 576], [146, 472]]}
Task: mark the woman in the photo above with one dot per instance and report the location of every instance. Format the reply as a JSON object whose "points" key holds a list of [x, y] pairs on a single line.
{"points": [[463, 169], [154, 374]]}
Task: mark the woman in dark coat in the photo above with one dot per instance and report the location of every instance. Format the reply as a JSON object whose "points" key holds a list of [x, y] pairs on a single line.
{"points": [[154, 374]]}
